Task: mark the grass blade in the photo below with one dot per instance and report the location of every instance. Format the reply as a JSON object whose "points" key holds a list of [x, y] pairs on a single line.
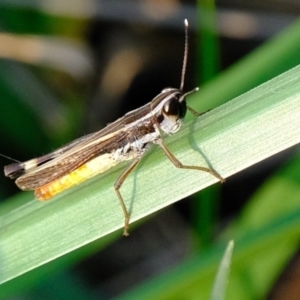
{"points": [[219, 290], [230, 138]]}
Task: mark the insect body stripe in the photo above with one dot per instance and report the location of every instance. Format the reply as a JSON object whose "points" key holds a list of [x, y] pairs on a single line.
{"points": [[93, 167]]}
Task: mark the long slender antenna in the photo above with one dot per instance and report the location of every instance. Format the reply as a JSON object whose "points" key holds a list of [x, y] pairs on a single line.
{"points": [[185, 56], [5, 156]]}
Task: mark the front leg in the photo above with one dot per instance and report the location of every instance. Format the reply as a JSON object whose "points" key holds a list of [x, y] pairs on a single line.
{"points": [[178, 164]]}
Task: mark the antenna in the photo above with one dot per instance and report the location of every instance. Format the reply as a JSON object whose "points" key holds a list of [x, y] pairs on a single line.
{"points": [[5, 156], [185, 56]]}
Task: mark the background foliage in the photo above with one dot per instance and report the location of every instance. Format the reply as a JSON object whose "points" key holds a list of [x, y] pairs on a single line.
{"points": [[67, 69]]}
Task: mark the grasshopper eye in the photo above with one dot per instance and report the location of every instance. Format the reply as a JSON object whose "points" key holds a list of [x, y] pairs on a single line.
{"points": [[174, 109]]}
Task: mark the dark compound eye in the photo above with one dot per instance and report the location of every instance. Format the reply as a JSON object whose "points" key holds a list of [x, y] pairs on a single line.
{"points": [[174, 108]]}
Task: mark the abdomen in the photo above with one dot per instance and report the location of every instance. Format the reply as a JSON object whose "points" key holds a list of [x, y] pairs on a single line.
{"points": [[93, 167]]}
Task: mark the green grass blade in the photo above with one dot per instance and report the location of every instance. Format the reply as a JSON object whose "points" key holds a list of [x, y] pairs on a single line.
{"points": [[232, 137], [194, 278], [208, 40], [219, 290], [266, 236]]}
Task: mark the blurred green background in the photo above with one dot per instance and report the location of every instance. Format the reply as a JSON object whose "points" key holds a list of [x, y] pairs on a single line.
{"points": [[68, 68]]}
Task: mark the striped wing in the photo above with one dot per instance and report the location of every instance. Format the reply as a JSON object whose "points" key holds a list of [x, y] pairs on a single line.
{"points": [[68, 162], [42, 170], [15, 170]]}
